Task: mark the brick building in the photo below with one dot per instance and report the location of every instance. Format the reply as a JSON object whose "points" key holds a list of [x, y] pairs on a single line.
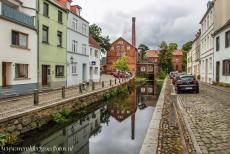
{"points": [[177, 60], [149, 66], [120, 48]]}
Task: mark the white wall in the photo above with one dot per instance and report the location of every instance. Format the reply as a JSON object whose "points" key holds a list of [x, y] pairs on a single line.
{"points": [[78, 57], [16, 55], [222, 54], [95, 76]]}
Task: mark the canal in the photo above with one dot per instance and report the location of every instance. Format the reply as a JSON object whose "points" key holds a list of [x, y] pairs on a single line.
{"points": [[117, 126]]}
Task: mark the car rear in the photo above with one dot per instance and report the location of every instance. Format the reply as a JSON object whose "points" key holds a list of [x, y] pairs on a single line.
{"points": [[187, 83]]}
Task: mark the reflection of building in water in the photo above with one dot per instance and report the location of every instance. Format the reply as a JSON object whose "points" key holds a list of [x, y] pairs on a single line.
{"points": [[75, 136], [147, 95], [122, 108]]}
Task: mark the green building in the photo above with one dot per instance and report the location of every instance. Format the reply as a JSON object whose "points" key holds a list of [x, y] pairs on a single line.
{"points": [[52, 26]]}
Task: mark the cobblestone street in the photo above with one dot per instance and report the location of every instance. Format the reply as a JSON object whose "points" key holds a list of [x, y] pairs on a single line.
{"points": [[208, 116]]}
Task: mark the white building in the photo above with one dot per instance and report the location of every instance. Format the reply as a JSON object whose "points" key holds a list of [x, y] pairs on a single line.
{"points": [[206, 55], [18, 54], [222, 41], [77, 47], [189, 62], [94, 60]]}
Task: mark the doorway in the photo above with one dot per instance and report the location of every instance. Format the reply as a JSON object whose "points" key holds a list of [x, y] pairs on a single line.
{"points": [[84, 72], [91, 73], [4, 78], [217, 72], [206, 70], [45, 74]]}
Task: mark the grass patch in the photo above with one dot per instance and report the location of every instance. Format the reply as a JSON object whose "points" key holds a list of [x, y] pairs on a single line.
{"points": [[61, 117]]}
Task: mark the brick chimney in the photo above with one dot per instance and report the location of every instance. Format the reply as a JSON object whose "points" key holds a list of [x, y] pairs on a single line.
{"points": [[133, 31]]}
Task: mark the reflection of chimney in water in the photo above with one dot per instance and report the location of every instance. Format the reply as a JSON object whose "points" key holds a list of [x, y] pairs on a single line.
{"points": [[133, 126]]}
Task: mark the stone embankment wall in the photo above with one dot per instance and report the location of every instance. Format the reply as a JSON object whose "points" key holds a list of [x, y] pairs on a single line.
{"points": [[31, 119]]}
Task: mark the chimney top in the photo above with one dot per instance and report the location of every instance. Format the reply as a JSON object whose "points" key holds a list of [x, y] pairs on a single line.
{"points": [[134, 31]]}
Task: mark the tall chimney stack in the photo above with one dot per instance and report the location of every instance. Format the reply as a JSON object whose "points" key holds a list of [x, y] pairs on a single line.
{"points": [[133, 31]]}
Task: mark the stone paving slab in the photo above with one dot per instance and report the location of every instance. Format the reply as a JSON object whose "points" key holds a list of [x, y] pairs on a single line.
{"points": [[208, 116]]}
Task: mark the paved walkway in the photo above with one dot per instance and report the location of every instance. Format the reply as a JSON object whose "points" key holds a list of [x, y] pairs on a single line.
{"points": [[208, 116], [18, 104]]}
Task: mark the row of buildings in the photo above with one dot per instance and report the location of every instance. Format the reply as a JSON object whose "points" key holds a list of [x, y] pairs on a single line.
{"points": [[209, 58], [45, 44]]}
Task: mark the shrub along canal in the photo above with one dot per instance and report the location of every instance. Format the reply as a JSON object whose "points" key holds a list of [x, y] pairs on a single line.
{"points": [[117, 126]]}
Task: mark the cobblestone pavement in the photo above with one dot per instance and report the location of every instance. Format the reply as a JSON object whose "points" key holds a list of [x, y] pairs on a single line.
{"points": [[19, 104], [170, 140], [208, 115]]}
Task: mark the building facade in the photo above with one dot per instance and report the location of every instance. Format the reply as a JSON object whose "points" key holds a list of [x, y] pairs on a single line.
{"points": [[94, 60], [222, 41], [189, 62], [149, 67], [77, 47], [18, 60], [120, 48], [52, 28], [177, 60], [206, 55]]}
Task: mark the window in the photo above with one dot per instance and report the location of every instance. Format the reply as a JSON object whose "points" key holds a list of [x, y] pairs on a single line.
{"points": [[45, 9], [217, 43], [91, 52], [142, 69], [74, 46], [150, 68], [59, 70], [226, 67], [59, 39], [96, 70], [84, 48], [74, 24], [74, 68], [60, 17], [84, 29], [96, 53], [227, 39], [19, 39], [21, 70], [45, 34]]}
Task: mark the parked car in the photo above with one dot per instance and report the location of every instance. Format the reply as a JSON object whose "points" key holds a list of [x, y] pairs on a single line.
{"points": [[186, 83]]}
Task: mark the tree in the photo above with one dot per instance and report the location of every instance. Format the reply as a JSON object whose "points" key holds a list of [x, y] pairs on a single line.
{"points": [[142, 51], [96, 32], [165, 57], [185, 48], [121, 64], [173, 46]]}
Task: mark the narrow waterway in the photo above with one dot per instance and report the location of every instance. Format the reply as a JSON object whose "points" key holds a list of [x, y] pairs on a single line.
{"points": [[117, 127]]}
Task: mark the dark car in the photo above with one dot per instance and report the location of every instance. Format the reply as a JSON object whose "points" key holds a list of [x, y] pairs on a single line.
{"points": [[186, 83]]}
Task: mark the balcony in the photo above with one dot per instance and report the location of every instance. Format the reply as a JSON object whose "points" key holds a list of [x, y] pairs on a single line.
{"points": [[16, 16]]}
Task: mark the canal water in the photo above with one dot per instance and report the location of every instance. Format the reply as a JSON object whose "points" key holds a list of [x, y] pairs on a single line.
{"points": [[116, 127]]}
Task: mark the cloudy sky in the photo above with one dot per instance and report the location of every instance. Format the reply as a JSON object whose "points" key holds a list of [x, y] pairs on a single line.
{"points": [[156, 20]]}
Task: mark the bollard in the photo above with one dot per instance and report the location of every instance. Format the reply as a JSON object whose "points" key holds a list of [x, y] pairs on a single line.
{"points": [[63, 92], [80, 89], [36, 97], [102, 84], [110, 82], [115, 80], [93, 86]]}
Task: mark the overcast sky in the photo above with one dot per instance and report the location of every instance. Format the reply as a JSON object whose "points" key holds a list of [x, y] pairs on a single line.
{"points": [[156, 20]]}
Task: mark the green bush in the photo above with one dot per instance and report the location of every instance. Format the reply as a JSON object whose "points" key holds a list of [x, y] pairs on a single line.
{"points": [[3, 139], [161, 75], [58, 118], [66, 112]]}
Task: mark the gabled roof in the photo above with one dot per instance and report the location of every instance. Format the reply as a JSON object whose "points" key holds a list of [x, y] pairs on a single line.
{"points": [[120, 38], [177, 52], [94, 43], [152, 53]]}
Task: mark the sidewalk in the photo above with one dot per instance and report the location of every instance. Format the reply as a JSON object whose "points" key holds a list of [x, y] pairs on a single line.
{"points": [[225, 89]]}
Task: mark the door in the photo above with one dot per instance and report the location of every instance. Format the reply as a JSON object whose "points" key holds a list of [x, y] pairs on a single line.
{"points": [[217, 71], [91, 73], [84, 72], [44, 75], [4, 74]]}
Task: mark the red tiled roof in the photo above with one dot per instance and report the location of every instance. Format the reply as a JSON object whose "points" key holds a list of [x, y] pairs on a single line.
{"points": [[152, 53], [93, 43], [177, 52]]}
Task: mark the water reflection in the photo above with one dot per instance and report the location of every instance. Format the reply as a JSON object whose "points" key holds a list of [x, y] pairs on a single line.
{"points": [[116, 128]]}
